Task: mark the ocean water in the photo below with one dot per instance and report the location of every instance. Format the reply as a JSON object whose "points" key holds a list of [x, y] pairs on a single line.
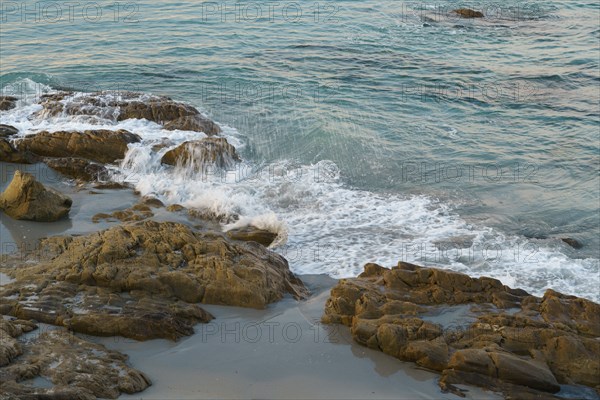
{"points": [[370, 131]]}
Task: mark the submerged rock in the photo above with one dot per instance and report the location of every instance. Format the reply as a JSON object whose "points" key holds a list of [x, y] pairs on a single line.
{"points": [[102, 145], [252, 234], [7, 102], [141, 280], [574, 243], [499, 338], [198, 154], [27, 199], [468, 13], [74, 367], [78, 168]]}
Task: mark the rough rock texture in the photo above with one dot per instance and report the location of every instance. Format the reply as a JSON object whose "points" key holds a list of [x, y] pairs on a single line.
{"points": [[138, 212], [499, 338], [27, 199], [468, 13], [199, 153], [104, 146], [7, 130], [576, 244], [76, 368], [119, 106], [195, 123], [78, 168], [7, 102], [8, 153], [252, 234], [138, 280]]}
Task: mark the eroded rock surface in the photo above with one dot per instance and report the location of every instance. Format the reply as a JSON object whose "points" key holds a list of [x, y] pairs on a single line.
{"points": [[252, 234], [27, 199], [198, 154], [499, 338], [102, 145], [468, 13], [7, 102], [8, 153], [78, 168], [76, 368], [7, 130], [142, 280]]}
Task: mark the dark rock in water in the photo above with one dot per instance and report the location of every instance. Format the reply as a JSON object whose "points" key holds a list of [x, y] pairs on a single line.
{"points": [[7, 130], [104, 146], [152, 202], [198, 154], [8, 153], [468, 13], [138, 212], [27, 199], [175, 208], [252, 234], [195, 123], [7, 102], [142, 280], [111, 185], [78, 168], [576, 244], [77, 369], [521, 345]]}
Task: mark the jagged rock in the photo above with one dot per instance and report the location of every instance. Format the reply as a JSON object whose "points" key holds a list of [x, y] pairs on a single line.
{"points": [[468, 13], [7, 130], [27, 199], [252, 234], [7, 102], [574, 243], [102, 145], [8, 153], [199, 153], [138, 280], [76, 368], [78, 168], [138, 212], [195, 123], [502, 339], [119, 106]]}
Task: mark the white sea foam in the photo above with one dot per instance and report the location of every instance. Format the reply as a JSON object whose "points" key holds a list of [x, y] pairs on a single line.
{"points": [[326, 227]]}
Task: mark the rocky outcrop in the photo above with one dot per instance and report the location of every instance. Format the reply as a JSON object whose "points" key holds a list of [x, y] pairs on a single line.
{"points": [[27, 199], [73, 367], [8, 153], [252, 234], [198, 154], [496, 337], [119, 106], [104, 146], [468, 13], [7, 102], [7, 130], [78, 168], [142, 280]]}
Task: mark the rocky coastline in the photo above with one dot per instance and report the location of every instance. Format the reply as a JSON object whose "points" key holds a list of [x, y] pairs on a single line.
{"points": [[146, 278]]}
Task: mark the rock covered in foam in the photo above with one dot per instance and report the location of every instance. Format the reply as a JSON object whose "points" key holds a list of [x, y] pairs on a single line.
{"points": [[76, 368], [198, 154], [506, 340], [27, 199], [7, 102]]}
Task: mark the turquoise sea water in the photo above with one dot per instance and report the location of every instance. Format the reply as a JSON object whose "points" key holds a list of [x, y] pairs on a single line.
{"points": [[438, 127]]}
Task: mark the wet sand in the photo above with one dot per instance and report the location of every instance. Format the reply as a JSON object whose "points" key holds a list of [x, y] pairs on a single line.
{"points": [[282, 352]]}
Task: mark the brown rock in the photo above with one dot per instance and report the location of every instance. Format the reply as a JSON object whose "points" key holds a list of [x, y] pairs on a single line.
{"points": [[576, 244], [101, 145], [195, 123], [7, 102], [252, 234], [198, 154], [524, 354], [468, 13], [27, 199], [8, 153], [78, 168]]}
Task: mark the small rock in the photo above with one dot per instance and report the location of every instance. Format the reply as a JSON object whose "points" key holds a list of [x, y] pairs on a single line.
{"points": [[7, 130], [27, 199], [7, 102], [195, 123], [468, 13], [252, 234], [78, 168], [199, 153], [576, 244]]}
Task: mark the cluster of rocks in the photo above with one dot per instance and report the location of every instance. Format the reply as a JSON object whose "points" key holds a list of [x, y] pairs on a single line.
{"points": [[506, 340], [78, 369], [82, 154]]}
